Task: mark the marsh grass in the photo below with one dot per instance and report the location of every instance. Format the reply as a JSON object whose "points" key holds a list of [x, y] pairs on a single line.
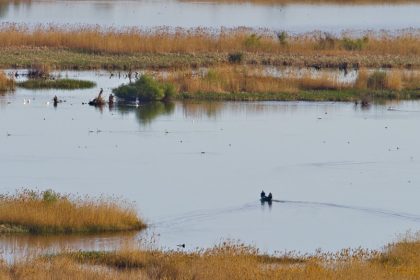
{"points": [[229, 260], [245, 83], [39, 212], [6, 84], [56, 84], [201, 40]]}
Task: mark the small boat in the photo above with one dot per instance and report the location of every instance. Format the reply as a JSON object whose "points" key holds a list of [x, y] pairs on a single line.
{"points": [[266, 199]]}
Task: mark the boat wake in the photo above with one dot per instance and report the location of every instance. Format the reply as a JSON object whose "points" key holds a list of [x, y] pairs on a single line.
{"points": [[204, 214], [383, 212], [208, 214]]}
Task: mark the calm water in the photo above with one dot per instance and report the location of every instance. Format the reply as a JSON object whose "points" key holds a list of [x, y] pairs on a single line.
{"points": [[143, 13], [344, 176]]}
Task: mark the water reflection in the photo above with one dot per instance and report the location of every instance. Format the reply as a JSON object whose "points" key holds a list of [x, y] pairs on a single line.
{"points": [[15, 246], [148, 112]]}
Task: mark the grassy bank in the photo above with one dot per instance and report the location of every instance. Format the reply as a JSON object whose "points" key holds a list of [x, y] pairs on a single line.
{"points": [[56, 84], [92, 48], [49, 212], [227, 261]]}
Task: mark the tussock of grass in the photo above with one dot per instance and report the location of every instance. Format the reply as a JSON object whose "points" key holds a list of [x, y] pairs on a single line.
{"points": [[49, 212], [6, 84], [56, 84]]}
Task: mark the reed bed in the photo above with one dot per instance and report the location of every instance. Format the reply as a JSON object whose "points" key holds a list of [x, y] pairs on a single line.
{"points": [[201, 40], [6, 84], [226, 261], [91, 47], [237, 79], [49, 212], [234, 80]]}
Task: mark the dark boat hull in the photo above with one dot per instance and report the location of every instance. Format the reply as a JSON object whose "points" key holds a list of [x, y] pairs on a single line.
{"points": [[266, 199]]}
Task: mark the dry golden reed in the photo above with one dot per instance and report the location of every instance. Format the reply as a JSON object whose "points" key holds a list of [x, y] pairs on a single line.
{"points": [[226, 261], [202, 40], [50, 212], [6, 84], [239, 79]]}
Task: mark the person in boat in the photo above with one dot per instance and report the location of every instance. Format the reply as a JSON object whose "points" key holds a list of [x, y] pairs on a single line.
{"points": [[270, 196], [111, 99], [262, 194]]}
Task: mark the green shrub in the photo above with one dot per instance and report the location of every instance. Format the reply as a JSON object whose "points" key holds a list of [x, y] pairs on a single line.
{"points": [[145, 89], [354, 44], [377, 80], [282, 37], [50, 196], [252, 41], [236, 57]]}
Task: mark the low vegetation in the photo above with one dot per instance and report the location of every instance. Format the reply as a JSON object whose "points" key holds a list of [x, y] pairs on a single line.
{"points": [[39, 212], [225, 261], [245, 83], [130, 48], [56, 84], [6, 84], [145, 89]]}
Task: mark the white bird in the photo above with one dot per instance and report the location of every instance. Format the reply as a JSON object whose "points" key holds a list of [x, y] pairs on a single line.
{"points": [[48, 103]]}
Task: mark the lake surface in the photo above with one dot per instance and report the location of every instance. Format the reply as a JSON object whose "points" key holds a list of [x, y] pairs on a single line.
{"points": [[149, 14], [344, 176]]}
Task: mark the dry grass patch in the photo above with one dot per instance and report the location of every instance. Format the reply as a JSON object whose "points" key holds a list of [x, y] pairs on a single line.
{"points": [[49, 212], [6, 84], [201, 40], [241, 79]]}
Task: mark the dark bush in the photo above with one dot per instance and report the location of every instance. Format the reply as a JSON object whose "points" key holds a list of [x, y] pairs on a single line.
{"points": [[236, 57], [145, 89]]}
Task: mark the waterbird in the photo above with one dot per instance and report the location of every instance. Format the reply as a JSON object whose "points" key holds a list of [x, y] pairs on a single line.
{"points": [[181, 245]]}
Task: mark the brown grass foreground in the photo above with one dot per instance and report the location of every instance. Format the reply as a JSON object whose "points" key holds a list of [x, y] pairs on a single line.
{"points": [[50, 212], [200, 45], [227, 261]]}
